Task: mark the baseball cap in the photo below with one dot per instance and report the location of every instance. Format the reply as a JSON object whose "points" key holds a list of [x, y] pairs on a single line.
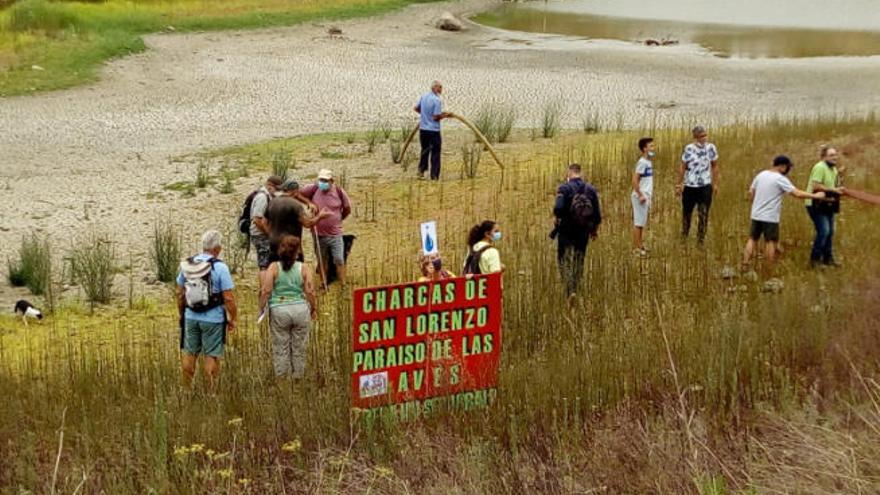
{"points": [[325, 174], [290, 185]]}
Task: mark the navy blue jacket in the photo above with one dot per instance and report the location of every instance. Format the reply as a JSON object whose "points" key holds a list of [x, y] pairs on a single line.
{"points": [[562, 208]]}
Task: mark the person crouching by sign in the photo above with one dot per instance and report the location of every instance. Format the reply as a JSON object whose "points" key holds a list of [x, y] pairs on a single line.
{"points": [[432, 269], [483, 256], [204, 300], [290, 294]]}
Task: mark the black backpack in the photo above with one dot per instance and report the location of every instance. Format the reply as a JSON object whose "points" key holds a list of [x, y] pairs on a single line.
{"points": [[244, 220], [582, 211], [472, 263]]}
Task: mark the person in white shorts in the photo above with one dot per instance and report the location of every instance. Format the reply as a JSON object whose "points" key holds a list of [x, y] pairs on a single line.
{"points": [[643, 189], [766, 193]]}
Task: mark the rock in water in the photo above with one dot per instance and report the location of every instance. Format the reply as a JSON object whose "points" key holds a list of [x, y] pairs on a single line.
{"points": [[448, 22]]}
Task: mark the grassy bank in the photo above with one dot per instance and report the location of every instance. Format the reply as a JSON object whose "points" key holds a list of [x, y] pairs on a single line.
{"points": [[52, 45], [664, 378]]}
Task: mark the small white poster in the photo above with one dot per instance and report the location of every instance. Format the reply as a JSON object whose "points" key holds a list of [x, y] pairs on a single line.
{"points": [[373, 385], [429, 238]]}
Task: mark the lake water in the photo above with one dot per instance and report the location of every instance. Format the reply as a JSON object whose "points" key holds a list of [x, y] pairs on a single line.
{"points": [[727, 28]]}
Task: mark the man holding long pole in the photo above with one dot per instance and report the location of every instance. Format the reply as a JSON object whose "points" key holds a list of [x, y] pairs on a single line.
{"points": [[430, 110]]}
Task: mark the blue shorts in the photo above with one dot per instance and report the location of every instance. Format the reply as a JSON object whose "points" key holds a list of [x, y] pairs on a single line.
{"points": [[205, 338]]}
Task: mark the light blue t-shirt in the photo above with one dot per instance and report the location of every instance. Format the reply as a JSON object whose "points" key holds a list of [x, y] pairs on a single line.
{"points": [[221, 280], [430, 106]]}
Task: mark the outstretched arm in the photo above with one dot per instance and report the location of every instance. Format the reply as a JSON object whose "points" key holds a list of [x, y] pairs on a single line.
{"points": [[797, 193]]}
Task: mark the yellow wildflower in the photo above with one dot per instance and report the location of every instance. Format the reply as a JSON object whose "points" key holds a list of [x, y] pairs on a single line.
{"points": [[292, 446], [244, 481], [384, 472], [225, 473], [181, 451], [197, 447], [210, 453], [234, 421]]}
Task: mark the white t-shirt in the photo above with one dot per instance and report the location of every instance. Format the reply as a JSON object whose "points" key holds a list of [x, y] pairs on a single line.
{"points": [[769, 187], [698, 164], [645, 169]]}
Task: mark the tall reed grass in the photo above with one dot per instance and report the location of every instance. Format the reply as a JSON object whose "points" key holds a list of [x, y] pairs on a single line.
{"points": [[93, 265], [282, 163], [33, 268], [166, 250], [551, 118], [496, 121], [662, 377]]}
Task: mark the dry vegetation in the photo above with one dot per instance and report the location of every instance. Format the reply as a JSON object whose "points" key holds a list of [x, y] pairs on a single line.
{"points": [[664, 378]]}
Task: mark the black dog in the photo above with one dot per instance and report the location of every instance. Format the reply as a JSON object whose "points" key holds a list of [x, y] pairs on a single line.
{"points": [[27, 310]]}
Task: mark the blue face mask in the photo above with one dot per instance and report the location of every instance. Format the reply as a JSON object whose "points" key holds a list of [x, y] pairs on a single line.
{"points": [[324, 186], [496, 236]]}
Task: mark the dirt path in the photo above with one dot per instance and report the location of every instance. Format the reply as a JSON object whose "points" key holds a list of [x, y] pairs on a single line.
{"points": [[91, 154]]}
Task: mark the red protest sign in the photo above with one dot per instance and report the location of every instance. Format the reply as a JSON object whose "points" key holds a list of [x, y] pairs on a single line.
{"points": [[426, 346]]}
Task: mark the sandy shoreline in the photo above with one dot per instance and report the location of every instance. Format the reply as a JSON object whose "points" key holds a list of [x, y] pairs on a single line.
{"points": [[90, 155]]}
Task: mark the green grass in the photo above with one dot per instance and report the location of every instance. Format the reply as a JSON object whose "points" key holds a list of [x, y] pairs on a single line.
{"points": [[69, 41]]}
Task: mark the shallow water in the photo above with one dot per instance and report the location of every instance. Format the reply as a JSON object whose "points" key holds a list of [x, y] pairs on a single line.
{"points": [[745, 28]]}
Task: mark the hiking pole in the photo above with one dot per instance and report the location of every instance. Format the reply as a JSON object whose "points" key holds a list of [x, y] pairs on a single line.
{"points": [[321, 268]]}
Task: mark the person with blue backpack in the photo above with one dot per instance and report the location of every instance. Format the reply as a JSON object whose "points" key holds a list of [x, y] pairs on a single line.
{"points": [[577, 218], [207, 309]]}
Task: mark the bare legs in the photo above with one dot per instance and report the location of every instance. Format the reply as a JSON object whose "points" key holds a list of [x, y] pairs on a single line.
{"points": [[188, 367]]}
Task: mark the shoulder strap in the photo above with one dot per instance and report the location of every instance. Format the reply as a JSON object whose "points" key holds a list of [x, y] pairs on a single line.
{"points": [[479, 252]]}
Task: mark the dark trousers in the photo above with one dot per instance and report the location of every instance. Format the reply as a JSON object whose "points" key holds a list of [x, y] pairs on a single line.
{"points": [[431, 143], [822, 244], [701, 197], [571, 252]]}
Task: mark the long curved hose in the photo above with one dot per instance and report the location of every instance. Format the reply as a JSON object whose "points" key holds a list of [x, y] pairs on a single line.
{"points": [[468, 124]]}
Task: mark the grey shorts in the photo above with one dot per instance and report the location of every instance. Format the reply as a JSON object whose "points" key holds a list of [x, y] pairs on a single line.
{"points": [[640, 210], [263, 250], [332, 249], [204, 338]]}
